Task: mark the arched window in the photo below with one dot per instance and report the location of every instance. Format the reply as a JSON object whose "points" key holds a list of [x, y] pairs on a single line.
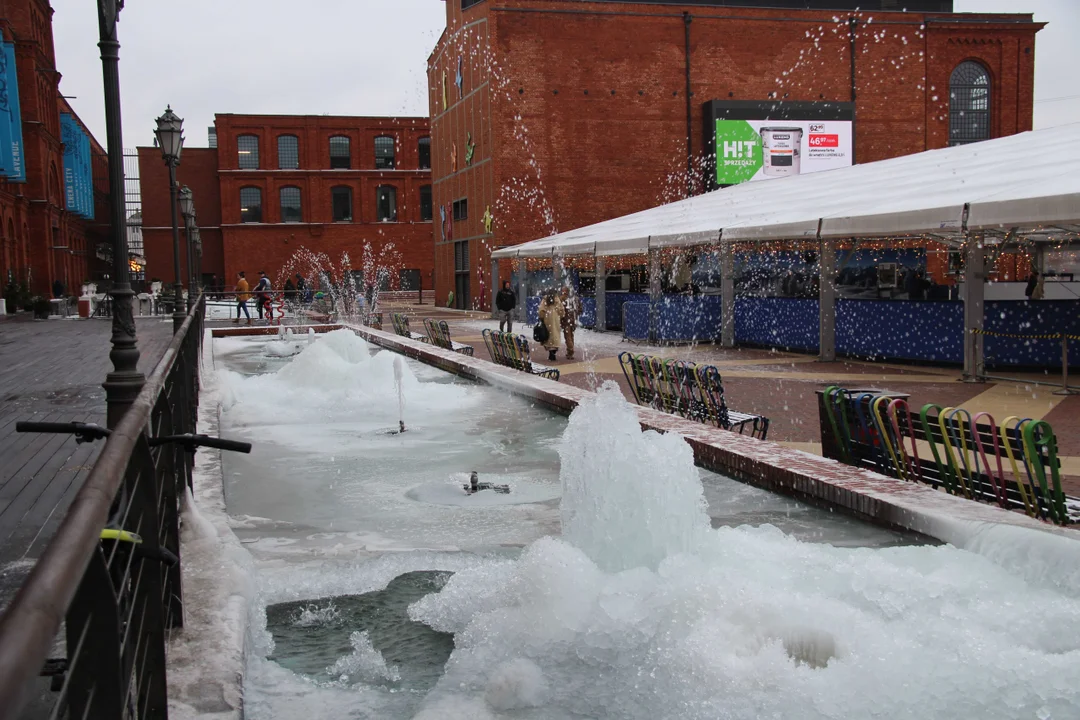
{"points": [[969, 103], [340, 155], [288, 152], [250, 205], [341, 201], [386, 203], [247, 148], [384, 152], [290, 205], [424, 150]]}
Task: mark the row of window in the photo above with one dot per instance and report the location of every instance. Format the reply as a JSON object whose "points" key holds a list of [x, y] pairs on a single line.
{"points": [[288, 152], [341, 203]]}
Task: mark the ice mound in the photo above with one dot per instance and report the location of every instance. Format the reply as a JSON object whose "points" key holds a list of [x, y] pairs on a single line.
{"points": [[334, 376], [518, 684], [607, 511], [642, 611]]}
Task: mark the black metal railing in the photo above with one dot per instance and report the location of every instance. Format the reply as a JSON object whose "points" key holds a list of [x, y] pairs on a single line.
{"points": [[111, 576]]}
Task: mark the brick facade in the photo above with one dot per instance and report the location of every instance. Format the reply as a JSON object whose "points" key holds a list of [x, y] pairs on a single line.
{"points": [[40, 241], [578, 110], [230, 245]]}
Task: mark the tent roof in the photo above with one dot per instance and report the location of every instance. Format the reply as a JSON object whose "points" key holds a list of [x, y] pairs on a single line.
{"points": [[1027, 184]]}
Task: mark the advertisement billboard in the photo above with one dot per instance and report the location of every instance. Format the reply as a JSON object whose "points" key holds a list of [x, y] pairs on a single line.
{"points": [[749, 140], [763, 149]]}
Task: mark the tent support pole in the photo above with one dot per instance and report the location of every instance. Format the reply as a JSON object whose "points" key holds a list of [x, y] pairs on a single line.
{"points": [[974, 289], [827, 300], [601, 295], [523, 291], [655, 292], [727, 294], [495, 285]]}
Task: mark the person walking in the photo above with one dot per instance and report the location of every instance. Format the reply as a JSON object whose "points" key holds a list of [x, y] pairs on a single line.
{"points": [[242, 296], [571, 312], [551, 314], [302, 289], [262, 294], [505, 302]]}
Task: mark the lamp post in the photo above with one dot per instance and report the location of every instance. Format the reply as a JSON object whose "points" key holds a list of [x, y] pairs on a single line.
{"points": [[170, 137], [187, 209], [124, 383], [197, 237]]}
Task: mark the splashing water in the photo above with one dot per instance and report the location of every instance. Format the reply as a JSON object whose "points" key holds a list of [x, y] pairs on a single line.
{"points": [[399, 371], [642, 610]]}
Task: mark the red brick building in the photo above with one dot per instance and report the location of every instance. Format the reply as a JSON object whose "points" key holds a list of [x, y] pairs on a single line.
{"points": [[41, 240], [275, 184], [547, 115]]}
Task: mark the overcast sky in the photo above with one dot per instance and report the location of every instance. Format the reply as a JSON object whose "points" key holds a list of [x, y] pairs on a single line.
{"points": [[354, 57]]}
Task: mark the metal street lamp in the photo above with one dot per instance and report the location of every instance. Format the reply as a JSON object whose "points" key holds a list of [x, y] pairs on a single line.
{"points": [[187, 209], [124, 383], [197, 237], [170, 137]]}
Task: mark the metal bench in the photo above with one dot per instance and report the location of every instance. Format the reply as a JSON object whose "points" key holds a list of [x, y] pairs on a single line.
{"points": [[439, 336], [687, 389], [401, 327], [513, 351]]}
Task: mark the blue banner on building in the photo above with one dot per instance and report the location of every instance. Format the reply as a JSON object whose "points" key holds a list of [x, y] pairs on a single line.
{"points": [[12, 165], [78, 169]]}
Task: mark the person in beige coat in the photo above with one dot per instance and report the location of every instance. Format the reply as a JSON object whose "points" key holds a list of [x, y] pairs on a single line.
{"points": [[551, 314], [571, 312]]}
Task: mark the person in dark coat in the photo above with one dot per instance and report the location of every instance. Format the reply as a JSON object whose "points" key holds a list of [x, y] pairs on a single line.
{"points": [[58, 288], [505, 302]]}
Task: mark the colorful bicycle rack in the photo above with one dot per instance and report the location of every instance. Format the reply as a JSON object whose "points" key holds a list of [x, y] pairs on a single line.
{"points": [[685, 388], [1013, 464]]}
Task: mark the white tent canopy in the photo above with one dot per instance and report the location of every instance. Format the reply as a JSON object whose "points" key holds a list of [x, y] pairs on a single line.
{"points": [[1027, 184]]}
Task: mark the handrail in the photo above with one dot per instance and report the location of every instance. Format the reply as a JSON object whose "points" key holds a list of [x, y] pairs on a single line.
{"points": [[31, 622]]}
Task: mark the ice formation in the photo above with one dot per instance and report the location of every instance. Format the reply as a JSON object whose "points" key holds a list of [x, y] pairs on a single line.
{"points": [[334, 376], [642, 611]]}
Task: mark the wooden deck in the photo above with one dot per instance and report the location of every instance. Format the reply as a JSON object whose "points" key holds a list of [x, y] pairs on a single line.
{"points": [[51, 372]]}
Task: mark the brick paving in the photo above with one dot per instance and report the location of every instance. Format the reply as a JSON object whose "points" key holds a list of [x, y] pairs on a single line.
{"points": [[782, 386], [51, 372]]}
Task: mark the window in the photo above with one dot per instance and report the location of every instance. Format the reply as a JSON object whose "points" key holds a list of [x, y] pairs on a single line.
{"points": [[341, 200], [250, 205], [461, 209], [384, 153], [248, 151], [466, 4], [288, 152], [424, 148], [461, 275], [340, 158], [425, 202], [969, 104], [386, 202], [290, 204]]}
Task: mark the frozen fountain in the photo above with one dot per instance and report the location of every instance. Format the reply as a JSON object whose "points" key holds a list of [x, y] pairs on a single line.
{"points": [[624, 600]]}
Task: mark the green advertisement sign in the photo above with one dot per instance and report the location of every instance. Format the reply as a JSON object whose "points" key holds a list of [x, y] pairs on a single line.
{"points": [[738, 152]]}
